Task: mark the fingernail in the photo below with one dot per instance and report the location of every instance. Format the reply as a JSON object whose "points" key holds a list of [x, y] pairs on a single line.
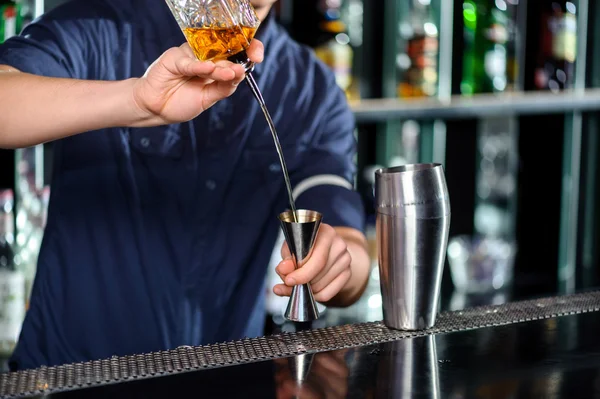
{"points": [[288, 258], [277, 291], [290, 281]]}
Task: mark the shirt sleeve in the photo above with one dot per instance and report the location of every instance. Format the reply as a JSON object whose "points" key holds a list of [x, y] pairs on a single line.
{"points": [[325, 183], [70, 41]]}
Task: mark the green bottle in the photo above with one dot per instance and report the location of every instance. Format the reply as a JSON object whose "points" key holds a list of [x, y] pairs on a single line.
{"points": [[485, 56], [10, 19]]}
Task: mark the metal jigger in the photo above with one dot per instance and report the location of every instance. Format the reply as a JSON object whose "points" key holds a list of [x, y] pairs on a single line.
{"points": [[300, 234]]}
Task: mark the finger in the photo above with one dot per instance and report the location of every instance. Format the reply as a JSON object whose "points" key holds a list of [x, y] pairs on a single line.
{"points": [[240, 72], [338, 268], [285, 267], [237, 69], [256, 51], [335, 287], [318, 259], [281, 276], [338, 249], [285, 251], [216, 91], [186, 66], [224, 74], [282, 290]]}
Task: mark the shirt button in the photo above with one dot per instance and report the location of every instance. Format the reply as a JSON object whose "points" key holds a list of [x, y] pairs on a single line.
{"points": [[145, 142], [211, 184]]}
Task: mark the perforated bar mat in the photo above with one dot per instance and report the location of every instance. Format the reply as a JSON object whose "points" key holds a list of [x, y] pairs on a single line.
{"points": [[48, 380]]}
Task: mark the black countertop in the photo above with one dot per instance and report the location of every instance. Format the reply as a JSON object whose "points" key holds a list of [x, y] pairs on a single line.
{"points": [[545, 348]]}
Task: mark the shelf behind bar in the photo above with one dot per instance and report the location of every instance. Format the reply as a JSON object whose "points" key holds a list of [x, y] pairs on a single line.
{"points": [[476, 106]]}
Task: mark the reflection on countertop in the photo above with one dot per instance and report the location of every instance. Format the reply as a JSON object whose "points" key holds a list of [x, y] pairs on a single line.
{"points": [[549, 358]]}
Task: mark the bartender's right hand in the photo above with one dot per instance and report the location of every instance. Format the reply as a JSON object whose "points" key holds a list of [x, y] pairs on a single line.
{"points": [[177, 87]]}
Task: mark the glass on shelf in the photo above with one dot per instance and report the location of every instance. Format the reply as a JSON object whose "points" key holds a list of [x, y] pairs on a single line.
{"points": [[496, 178], [480, 264]]}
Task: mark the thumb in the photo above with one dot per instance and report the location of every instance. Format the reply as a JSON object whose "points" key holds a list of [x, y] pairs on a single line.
{"points": [[178, 62], [186, 66]]}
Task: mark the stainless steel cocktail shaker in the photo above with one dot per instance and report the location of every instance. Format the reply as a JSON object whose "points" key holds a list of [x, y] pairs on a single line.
{"points": [[413, 220]]}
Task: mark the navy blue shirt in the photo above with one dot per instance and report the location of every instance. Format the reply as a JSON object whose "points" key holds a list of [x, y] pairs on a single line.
{"points": [[160, 237]]}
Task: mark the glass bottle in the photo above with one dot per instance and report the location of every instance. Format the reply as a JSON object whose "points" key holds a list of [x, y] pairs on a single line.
{"points": [[558, 46], [332, 44], [417, 63], [485, 53], [10, 20]]}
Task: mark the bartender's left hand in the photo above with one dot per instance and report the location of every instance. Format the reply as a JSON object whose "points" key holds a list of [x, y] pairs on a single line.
{"points": [[328, 269]]}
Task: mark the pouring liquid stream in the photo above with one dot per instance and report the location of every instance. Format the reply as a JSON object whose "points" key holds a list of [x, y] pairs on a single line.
{"points": [[218, 43], [256, 91]]}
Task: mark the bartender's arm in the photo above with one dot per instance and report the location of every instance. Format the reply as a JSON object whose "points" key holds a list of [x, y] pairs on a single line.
{"points": [[176, 88]]}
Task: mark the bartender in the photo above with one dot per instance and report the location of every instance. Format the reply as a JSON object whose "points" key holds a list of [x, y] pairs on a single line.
{"points": [[166, 185]]}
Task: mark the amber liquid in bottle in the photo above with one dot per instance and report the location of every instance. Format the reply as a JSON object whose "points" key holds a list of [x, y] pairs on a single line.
{"points": [[215, 44]]}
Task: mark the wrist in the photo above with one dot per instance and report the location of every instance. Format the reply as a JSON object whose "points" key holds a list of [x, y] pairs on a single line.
{"points": [[135, 113]]}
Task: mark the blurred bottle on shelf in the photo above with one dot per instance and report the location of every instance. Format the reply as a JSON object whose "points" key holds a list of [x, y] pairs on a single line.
{"points": [[514, 53], [352, 13], [486, 36], [12, 280], [332, 45], [26, 9], [417, 76], [10, 20], [14, 16], [353, 17], [30, 210], [558, 46], [7, 220], [490, 65], [490, 42], [417, 61]]}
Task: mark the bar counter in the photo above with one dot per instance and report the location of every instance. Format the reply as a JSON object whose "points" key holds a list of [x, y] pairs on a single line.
{"points": [[542, 348]]}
